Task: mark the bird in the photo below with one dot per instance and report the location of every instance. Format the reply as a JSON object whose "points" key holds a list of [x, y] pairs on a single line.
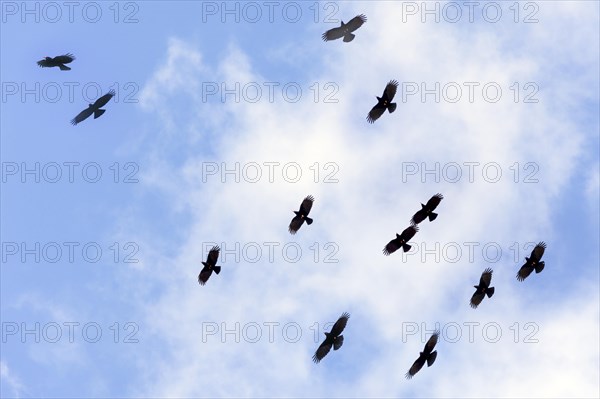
{"points": [[58, 61], [428, 355], [401, 241], [483, 288], [383, 102], [302, 215], [345, 30], [93, 108], [427, 210], [332, 338], [210, 265], [533, 262]]}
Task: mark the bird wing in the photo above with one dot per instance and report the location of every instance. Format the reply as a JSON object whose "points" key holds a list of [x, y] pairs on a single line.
{"points": [[64, 59], [356, 22], [417, 365], [323, 350], [83, 115], [375, 113], [434, 201], [204, 275], [390, 90], [409, 233], [45, 63], [333, 34], [419, 216], [392, 246], [431, 342], [306, 205], [486, 278], [101, 102], [295, 224], [477, 298], [213, 255], [524, 271], [340, 324], [538, 251]]}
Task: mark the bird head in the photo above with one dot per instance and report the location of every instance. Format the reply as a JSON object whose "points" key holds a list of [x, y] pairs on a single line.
{"points": [[327, 334], [296, 213], [378, 98], [397, 235], [47, 58], [342, 24], [422, 206], [204, 263], [476, 287]]}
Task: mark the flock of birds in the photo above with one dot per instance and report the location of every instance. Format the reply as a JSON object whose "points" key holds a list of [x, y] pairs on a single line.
{"points": [[334, 338]]}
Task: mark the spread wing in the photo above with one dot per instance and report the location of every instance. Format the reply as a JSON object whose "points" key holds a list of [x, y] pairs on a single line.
{"points": [[339, 325], [213, 255], [295, 224], [409, 233], [64, 59], [390, 90], [356, 22], [524, 271], [323, 350], [477, 298], [434, 201], [419, 216], [375, 113], [392, 246], [417, 365], [306, 205], [431, 342], [538, 251], [204, 275], [486, 278], [101, 102], [333, 34], [45, 63], [83, 115]]}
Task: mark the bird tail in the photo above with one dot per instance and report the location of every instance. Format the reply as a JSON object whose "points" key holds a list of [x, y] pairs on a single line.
{"points": [[432, 216], [349, 37], [406, 247], [98, 113], [309, 220], [217, 269], [431, 358], [338, 342], [64, 67], [490, 291], [539, 267], [391, 107]]}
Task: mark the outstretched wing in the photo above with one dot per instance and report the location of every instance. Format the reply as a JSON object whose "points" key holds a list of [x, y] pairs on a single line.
{"points": [[375, 113], [204, 275], [64, 59], [295, 224], [524, 271], [417, 365], [409, 233], [46, 63], [486, 278], [356, 22], [333, 34], [477, 298], [306, 205], [390, 90], [213, 255], [101, 102], [83, 115], [322, 351], [434, 201], [419, 216], [538, 251], [431, 342], [339, 325], [392, 246]]}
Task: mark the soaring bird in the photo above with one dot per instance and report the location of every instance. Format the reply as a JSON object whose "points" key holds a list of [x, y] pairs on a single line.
{"points": [[427, 210], [302, 215], [483, 288], [59, 61], [533, 262], [332, 338], [401, 241], [345, 29], [210, 265], [426, 355], [93, 108], [383, 102]]}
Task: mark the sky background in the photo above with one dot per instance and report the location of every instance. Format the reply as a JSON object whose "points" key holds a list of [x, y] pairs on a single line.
{"points": [[193, 101]]}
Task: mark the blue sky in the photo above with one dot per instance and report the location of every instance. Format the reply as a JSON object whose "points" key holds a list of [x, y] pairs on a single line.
{"points": [[155, 219]]}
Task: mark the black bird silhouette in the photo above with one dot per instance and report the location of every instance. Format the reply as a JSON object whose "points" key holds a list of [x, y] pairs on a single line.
{"points": [[427, 210], [59, 61], [401, 241], [533, 262], [302, 215], [210, 265], [345, 30], [383, 102], [332, 338], [428, 355], [483, 288], [93, 108]]}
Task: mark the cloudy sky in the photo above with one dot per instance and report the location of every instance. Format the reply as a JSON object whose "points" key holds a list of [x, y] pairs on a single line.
{"points": [[227, 115]]}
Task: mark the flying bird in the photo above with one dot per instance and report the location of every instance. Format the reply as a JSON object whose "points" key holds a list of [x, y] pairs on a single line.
{"points": [[59, 61], [93, 108], [427, 210], [302, 215], [345, 30], [428, 355], [210, 265], [533, 262], [483, 288], [332, 338], [383, 102], [401, 241]]}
